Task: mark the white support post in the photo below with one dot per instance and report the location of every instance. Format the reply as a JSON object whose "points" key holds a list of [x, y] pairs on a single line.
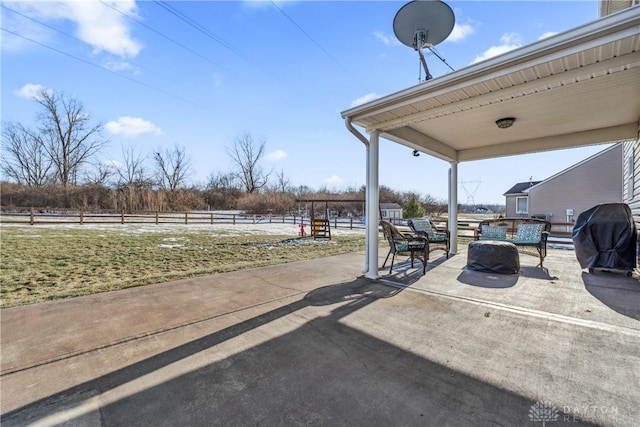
{"points": [[367, 214], [372, 204], [453, 206]]}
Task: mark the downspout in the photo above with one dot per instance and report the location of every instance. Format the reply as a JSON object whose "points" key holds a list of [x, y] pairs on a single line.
{"points": [[365, 141], [355, 131]]}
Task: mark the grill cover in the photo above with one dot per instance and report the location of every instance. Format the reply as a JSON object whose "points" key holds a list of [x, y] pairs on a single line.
{"points": [[605, 237]]}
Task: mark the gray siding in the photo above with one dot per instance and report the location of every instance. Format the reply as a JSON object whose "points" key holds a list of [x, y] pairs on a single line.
{"points": [[631, 177], [510, 201], [594, 181], [631, 183]]}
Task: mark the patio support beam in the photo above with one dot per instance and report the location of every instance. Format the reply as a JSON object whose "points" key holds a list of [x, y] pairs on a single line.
{"points": [[373, 198], [365, 141], [421, 142], [553, 142], [453, 207]]}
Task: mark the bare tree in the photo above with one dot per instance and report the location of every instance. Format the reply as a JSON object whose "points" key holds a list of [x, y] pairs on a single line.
{"points": [[70, 139], [25, 160], [172, 167], [132, 171], [246, 154], [283, 183], [222, 191], [99, 175]]}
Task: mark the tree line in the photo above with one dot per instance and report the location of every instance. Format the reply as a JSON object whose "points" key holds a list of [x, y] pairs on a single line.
{"points": [[56, 165]]}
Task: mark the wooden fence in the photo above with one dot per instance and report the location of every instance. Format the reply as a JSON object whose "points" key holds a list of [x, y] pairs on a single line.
{"points": [[35, 216], [560, 231]]}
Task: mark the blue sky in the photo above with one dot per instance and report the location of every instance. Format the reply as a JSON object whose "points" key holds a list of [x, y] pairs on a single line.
{"points": [[281, 71]]}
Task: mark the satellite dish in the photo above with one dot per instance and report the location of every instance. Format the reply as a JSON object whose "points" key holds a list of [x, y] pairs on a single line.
{"points": [[423, 24]]}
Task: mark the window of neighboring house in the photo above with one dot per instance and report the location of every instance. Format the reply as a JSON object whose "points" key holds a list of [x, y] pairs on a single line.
{"points": [[384, 214], [522, 205]]}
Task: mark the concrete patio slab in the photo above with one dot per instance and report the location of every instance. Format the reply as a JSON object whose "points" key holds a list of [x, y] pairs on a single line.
{"points": [[314, 343]]}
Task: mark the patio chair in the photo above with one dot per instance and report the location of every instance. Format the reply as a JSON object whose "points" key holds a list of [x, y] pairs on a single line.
{"points": [[437, 239], [404, 243]]}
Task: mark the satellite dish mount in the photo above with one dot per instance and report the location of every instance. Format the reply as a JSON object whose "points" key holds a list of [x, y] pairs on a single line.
{"points": [[423, 24], [420, 41]]}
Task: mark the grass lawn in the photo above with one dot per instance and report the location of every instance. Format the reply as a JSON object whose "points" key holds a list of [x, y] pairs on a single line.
{"points": [[46, 263]]}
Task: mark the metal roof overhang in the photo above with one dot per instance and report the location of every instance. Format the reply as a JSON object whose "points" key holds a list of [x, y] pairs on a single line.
{"points": [[576, 88]]}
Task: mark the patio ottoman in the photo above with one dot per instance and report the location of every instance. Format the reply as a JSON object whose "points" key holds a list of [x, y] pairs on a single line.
{"points": [[493, 256]]}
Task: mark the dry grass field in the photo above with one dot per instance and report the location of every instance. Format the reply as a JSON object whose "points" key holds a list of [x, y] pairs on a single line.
{"points": [[40, 263]]}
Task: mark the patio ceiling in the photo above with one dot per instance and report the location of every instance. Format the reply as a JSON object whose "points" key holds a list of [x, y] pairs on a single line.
{"points": [[576, 88]]}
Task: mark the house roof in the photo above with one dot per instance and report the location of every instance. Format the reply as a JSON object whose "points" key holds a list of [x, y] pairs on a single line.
{"points": [[390, 206], [521, 187], [576, 88]]}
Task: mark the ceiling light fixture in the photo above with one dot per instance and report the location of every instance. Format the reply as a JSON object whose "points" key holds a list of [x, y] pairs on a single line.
{"points": [[505, 122]]}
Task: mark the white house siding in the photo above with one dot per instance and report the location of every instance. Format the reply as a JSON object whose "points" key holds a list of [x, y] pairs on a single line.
{"points": [[594, 181], [631, 177], [631, 182]]}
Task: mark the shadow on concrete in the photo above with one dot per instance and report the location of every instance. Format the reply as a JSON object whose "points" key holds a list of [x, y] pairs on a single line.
{"points": [[321, 373], [615, 290], [403, 275], [487, 280], [541, 273]]}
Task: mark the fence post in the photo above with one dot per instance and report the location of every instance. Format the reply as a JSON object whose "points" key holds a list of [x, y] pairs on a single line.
{"points": [[157, 216], [186, 218], [335, 222], [211, 217], [254, 219], [31, 216], [122, 216], [350, 223], [294, 220], [81, 216], [269, 218], [234, 219]]}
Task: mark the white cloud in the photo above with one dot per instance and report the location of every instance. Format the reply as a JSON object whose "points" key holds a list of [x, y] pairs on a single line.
{"points": [[131, 126], [334, 180], [275, 156], [461, 32], [364, 99], [98, 24], [116, 66], [547, 35], [385, 39], [510, 41], [30, 91], [104, 28]]}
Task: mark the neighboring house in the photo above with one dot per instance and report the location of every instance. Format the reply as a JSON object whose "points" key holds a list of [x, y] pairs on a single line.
{"points": [[390, 211], [517, 199], [562, 197]]}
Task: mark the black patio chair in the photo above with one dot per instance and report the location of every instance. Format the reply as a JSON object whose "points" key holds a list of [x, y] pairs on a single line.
{"points": [[438, 239], [404, 243]]}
